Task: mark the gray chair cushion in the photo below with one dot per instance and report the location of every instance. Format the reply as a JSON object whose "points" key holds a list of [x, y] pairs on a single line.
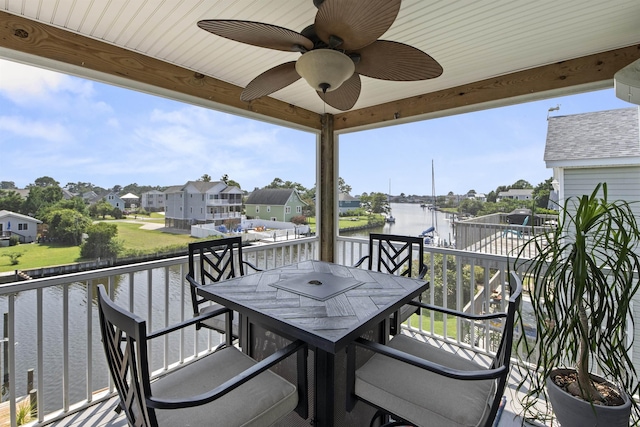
{"points": [[267, 396], [219, 322], [420, 396]]}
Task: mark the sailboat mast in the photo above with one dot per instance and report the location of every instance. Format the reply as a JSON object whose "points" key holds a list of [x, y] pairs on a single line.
{"points": [[434, 218]]}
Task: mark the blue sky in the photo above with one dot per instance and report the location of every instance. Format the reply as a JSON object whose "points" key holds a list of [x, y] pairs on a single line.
{"points": [[73, 130]]}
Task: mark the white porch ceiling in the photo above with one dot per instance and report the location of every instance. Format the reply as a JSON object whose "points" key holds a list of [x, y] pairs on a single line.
{"points": [[473, 40]]}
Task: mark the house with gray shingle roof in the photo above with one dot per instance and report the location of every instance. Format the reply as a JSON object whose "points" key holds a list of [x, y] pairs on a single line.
{"points": [[15, 224], [200, 202], [274, 204], [346, 203], [586, 149]]}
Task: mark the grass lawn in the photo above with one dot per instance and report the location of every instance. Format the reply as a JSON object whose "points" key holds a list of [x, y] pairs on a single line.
{"points": [[35, 255], [438, 325], [137, 238], [344, 222]]}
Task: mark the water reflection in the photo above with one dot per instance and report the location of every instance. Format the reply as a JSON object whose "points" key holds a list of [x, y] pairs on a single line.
{"points": [[411, 220]]}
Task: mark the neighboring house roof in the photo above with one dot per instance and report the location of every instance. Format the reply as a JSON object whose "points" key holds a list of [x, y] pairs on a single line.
{"points": [[174, 189], [5, 213], [22, 192], [89, 195], [129, 196], [232, 190], [346, 197], [202, 187], [581, 139], [270, 196], [66, 194], [153, 192]]}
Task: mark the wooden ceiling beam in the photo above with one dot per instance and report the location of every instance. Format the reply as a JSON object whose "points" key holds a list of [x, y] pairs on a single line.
{"points": [[34, 38], [574, 72]]}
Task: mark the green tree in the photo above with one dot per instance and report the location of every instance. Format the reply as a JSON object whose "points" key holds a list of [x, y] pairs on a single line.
{"points": [[11, 201], [67, 225], [7, 185], [75, 203], [451, 274], [375, 202], [101, 242], [205, 177], [541, 193], [279, 183], [40, 198], [45, 181], [470, 206], [343, 187], [521, 184], [230, 182], [102, 208]]}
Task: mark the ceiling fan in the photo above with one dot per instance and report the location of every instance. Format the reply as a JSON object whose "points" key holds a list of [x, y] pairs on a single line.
{"points": [[337, 48]]}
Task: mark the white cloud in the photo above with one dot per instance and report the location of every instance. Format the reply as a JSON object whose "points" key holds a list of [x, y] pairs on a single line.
{"points": [[21, 127], [39, 89]]}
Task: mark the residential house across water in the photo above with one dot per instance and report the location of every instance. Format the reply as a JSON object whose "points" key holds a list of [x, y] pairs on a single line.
{"points": [[200, 202], [274, 204]]}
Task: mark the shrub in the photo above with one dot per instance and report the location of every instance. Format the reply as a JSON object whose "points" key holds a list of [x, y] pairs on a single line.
{"points": [[14, 240], [101, 242], [299, 220], [13, 257]]}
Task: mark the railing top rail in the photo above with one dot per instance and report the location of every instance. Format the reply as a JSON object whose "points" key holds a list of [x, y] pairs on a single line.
{"points": [[444, 251], [43, 282]]}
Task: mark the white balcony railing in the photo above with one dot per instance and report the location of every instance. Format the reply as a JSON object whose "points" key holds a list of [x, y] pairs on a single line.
{"points": [[225, 215], [51, 327], [51, 324]]}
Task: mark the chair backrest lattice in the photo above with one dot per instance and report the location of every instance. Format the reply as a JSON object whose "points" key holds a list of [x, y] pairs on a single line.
{"points": [[218, 260], [125, 343], [396, 254]]}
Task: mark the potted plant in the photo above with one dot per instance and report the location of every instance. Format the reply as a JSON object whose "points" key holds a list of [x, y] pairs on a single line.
{"points": [[581, 282]]}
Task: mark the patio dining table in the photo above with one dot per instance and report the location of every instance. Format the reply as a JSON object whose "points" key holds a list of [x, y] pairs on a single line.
{"points": [[326, 305]]}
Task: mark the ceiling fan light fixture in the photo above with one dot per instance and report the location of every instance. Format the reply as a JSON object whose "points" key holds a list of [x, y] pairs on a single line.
{"points": [[325, 69]]}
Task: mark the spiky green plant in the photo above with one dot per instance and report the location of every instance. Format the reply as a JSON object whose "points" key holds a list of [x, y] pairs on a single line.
{"points": [[581, 284]]}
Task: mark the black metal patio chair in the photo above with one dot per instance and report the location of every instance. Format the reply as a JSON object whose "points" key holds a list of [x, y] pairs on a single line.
{"points": [[421, 384], [217, 259], [394, 254], [225, 387]]}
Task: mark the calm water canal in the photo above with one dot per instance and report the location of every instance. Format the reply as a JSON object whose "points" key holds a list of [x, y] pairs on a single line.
{"points": [[411, 220]]}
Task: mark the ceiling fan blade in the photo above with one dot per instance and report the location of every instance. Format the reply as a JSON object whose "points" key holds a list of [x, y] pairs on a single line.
{"points": [[270, 81], [258, 34], [387, 60], [357, 22], [346, 96]]}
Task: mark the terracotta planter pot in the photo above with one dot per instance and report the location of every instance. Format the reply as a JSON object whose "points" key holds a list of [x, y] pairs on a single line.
{"points": [[571, 411]]}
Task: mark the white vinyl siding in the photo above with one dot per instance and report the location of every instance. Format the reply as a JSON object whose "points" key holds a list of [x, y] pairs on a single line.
{"points": [[623, 183]]}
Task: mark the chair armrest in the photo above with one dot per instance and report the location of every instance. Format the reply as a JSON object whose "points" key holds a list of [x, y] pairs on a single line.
{"points": [[484, 374], [423, 272], [192, 280], [458, 313], [250, 265], [188, 322], [360, 261], [231, 384]]}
